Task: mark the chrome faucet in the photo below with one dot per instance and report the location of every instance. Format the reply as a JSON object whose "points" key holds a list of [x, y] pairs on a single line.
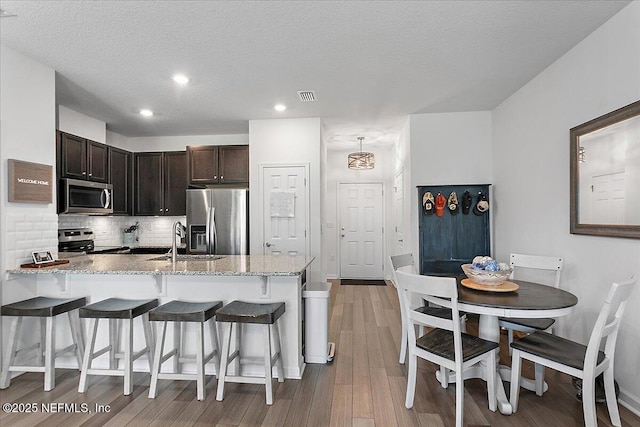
{"points": [[176, 230]]}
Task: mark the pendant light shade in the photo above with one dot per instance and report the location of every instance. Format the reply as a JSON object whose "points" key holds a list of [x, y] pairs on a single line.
{"points": [[361, 159]]}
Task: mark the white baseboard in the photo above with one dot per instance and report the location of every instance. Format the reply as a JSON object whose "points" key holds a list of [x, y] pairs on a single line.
{"points": [[332, 276], [629, 401]]}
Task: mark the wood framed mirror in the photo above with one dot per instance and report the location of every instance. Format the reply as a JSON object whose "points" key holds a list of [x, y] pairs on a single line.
{"points": [[605, 174]]}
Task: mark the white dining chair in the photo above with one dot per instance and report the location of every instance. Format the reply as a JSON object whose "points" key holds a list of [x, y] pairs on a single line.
{"points": [[577, 360], [406, 261], [445, 345], [533, 264]]}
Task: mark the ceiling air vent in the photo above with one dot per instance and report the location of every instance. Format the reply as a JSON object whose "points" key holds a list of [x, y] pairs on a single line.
{"points": [[307, 95]]}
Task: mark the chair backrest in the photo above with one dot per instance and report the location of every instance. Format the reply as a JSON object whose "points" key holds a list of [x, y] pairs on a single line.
{"points": [[403, 260], [536, 262], [441, 290], [608, 322]]}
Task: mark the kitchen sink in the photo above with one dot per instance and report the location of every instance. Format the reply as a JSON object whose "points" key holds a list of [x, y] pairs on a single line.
{"points": [[183, 257]]}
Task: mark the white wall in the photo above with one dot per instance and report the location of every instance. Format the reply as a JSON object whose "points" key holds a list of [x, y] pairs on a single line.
{"points": [[447, 149], [287, 141], [27, 114], [76, 123], [531, 177], [336, 172], [180, 143]]}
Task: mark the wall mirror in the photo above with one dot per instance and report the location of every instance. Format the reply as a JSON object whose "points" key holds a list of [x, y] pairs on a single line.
{"points": [[605, 174]]}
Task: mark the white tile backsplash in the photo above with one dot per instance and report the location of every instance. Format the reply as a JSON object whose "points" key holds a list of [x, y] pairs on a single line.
{"points": [[27, 233], [109, 230]]}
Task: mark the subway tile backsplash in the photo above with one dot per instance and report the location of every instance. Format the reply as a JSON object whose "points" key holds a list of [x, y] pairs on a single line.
{"points": [[109, 230], [27, 233]]}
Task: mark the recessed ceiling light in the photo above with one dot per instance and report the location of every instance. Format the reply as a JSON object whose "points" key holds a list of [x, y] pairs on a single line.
{"points": [[146, 113], [280, 107], [180, 79]]}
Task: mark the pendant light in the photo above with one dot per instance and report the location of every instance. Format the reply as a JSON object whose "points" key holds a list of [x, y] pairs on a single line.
{"points": [[361, 159]]}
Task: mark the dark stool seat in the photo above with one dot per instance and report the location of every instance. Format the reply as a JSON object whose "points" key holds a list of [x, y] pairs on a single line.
{"points": [[42, 307], [47, 309], [178, 312], [247, 312], [117, 308], [266, 315], [118, 311]]}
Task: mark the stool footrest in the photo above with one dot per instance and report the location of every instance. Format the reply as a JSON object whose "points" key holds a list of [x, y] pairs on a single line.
{"points": [[27, 350], [110, 372], [27, 368], [245, 380], [67, 349], [174, 376], [192, 358]]}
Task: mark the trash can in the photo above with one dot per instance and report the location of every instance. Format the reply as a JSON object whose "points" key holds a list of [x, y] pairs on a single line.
{"points": [[316, 322]]}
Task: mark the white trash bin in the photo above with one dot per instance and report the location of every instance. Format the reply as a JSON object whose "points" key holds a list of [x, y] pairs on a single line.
{"points": [[316, 321]]}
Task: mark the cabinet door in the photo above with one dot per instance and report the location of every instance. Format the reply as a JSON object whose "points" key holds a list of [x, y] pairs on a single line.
{"points": [[148, 198], [234, 164], [203, 164], [98, 162], [175, 183], [120, 165], [73, 156]]}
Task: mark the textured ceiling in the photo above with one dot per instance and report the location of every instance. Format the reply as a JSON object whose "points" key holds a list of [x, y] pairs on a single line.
{"points": [[370, 63]]}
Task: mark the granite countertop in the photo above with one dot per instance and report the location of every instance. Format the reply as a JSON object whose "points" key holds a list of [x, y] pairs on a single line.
{"points": [[230, 265]]}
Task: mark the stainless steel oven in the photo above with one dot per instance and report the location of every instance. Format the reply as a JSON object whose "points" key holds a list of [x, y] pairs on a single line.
{"points": [[84, 197]]}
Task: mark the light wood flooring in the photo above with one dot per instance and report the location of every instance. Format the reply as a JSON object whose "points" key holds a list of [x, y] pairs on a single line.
{"points": [[364, 386]]}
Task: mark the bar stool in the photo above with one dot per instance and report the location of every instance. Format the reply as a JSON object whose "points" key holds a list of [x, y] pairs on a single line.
{"points": [[47, 309], [116, 309], [237, 312], [180, 312]]}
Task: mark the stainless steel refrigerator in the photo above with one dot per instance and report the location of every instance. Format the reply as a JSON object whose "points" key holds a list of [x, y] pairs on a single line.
{"points": [[218, 221]]}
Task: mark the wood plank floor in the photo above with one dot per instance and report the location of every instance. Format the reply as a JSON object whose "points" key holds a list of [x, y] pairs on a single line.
{"points": [[364, 386]]}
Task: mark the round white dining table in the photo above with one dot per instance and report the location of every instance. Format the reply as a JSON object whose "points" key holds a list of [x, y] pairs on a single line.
{"points": [[530, 300]]}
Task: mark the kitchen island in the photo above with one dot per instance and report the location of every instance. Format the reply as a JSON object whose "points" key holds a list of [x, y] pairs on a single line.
{"points": [[255, 278]]}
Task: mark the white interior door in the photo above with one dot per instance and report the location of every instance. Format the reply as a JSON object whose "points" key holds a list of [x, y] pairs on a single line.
{"points": [[285, 210], [361, 212], [607, 198]]}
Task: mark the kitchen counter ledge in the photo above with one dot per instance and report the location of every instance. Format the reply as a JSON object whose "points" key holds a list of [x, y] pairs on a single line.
{"points": [[230, 265]]}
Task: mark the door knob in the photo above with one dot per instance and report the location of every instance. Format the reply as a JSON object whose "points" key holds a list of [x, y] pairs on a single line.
{"points": [[268, 244], [342, 235]]}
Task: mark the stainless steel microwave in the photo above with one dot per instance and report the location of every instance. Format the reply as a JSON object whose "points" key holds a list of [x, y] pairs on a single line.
{"points": [[84, 197]]}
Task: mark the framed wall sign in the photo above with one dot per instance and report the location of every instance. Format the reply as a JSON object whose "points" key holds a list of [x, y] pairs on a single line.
{"points": [[30, 182]]}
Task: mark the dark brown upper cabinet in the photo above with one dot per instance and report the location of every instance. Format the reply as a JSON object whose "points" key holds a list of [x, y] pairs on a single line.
{"points": [[81, 158], [160, 183], [218, 164], [120, 176]]}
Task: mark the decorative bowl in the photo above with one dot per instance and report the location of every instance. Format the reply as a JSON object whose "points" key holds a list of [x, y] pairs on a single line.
{"points": [[485, 277]]}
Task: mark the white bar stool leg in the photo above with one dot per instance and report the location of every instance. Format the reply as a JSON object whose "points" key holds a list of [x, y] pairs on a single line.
{"points": [[43, 340], [49, 355], [148, 338], [215, 344], [128, 356], [76, 334], [114, 342], [200, 360], [10, 354], [278, 349], [88, 355], [177, 345], [224, 361], [157, 358], [267, 363]]}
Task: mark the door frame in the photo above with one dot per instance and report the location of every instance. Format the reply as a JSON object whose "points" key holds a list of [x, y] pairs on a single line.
{"points": [[339, 221], [307, 223]]}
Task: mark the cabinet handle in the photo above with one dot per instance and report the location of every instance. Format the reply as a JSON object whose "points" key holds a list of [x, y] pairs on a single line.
{"points": [[215, 176], [84, 173], [221, 177], [90, 174], [166, 210]]}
